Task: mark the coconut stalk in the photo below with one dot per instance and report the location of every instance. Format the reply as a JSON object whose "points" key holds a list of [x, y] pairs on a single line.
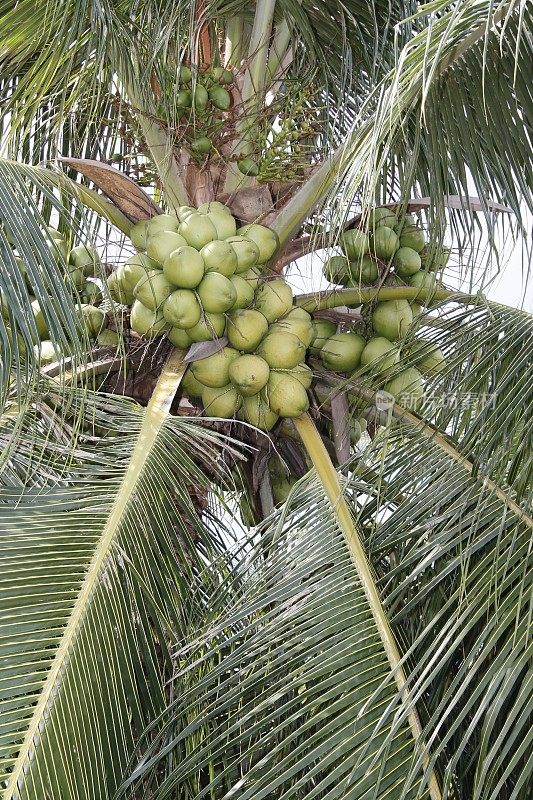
{"points": [[330, 480]]}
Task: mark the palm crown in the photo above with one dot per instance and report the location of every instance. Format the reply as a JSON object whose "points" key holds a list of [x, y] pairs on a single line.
{"points": [[353, 631]]}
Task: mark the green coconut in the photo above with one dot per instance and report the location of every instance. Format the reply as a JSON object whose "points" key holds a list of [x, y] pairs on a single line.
{"points": [[93, 319], [40, 321], [59, 249], [429, 358], [407, 388], [392, 318], [249, 374], [258, 413], [322, 330], [139, 234], [179, 338], [210, 326], [185, 211], [355, 243], [221, 402], [413, 238], [216, 292], [287, 396], [135, 268], [301, 372], [108, 338], [245, 291], [212, 205], [184, 75], [222, 75], [297, 324], [281, 489], [46, 352], [213, 370], [162, 244], [219, 257], [355, 431], [162, 222], [363, 271], [184, 267], [197, 230], [266, 240], [384, 243], [246, 328], [145, 321], [342, 351], [191, 387], [248, 166], [337, 270], [86, 258], [247, 252], [274, 299], [118, 291], [76, 278], [380, 354], [407, 221], [252, 276], [380, 216], [92, 293], [424, 280], [200, 97], [153, 289], [220, 98], [184, 99], [182, 309], [282, 350], [201, 145], [406, 262], [224, 223]]}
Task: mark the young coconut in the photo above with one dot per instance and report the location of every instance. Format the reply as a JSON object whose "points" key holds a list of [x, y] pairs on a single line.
{"points": [[181, 309], [92, 294], [184, 267], [252, 276], [406, 262], [266, 240], [46, 352], [40, 321], [139, 234], [93, 319], [210, 326], [85, 258], [249, 374], [413, 238], [380, 216], [153, 289], [336, 270], [286, 395], [245, 291], [258, 413], [217, 293], [197, 230], [162, 222], [246, 329], [323, 329], [108, 338], [429, 358], [213, 371], [118, 291], [294, 322], [274, 299], [219, 257], [248, 166], [392, 318], [424, 280], [211, 205], [380, 355], [282, 350], [247, 252], [145, 321], [407, 388], [301, 372], [162, 244], [179, 338], [135, 268], [363, 271], [385, 243], [355, 243], [221, 402], [224, 223], [191, 386], [342, 351]]}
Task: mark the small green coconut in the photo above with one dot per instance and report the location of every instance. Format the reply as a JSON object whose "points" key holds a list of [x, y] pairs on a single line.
{"points": [[46, 352], [266, 240], [220, 98], [413, 238], [76, 278], [406, 262], [153, 289], [85, 258], [92, 294], [184, 74], [248, 166], [429, 358], [258, 413], [219, 257], [301, 372], [191, 386], [322, 329], [202, 145], [210, 326], [249, 374], [224, 223], [363, 271], [295, 323], [197, 230], [247, 252], [118, 291], [282, 350], [135, 268], [246, 328], [384, 243], [221, 402], [355, 244], [162, 222], [245, 291], [213, 370], [336, 270], [217, 293], [179, 338], [139, 234], [426, 281], [222, 75], [212, 205], [407, 388], [380, 354], [252, 276], [40, 321], [342, 351], [287, 396], [184, 267], [185, 211], [182, 309], [274, 299], [145, 321], [93, 319], [108, 338], [380, 216], [162, 244], [392, 318]]}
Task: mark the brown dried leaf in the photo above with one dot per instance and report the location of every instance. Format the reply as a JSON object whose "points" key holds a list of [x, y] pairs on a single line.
{"points": [[123, 191]]}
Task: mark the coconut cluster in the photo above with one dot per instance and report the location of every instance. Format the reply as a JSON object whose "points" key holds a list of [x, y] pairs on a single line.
{"points": [[386, 248], [82, 265]]}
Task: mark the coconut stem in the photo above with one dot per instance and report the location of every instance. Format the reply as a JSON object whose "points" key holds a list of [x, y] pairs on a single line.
{"points": [[330, 480], [353, 297]]}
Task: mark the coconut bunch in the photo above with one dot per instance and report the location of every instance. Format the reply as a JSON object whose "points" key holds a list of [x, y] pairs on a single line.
{"points": [[82, 265]]}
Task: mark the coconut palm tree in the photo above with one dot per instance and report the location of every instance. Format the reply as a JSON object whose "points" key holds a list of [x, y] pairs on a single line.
{"points": [[192, 607]]}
